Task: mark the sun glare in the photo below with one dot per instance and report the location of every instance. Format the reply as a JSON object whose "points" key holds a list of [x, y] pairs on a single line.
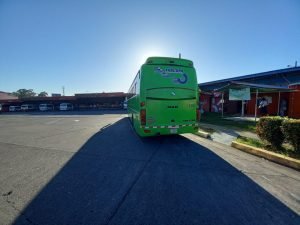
{"points": [[150, 53]]}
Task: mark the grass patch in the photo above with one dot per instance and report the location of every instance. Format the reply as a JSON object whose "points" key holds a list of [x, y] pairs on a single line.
{"points": [[286, 149], [250, 141], [216, 119]]}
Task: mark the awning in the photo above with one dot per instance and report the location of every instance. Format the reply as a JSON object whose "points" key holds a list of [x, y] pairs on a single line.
{"points": [[253, 87]]}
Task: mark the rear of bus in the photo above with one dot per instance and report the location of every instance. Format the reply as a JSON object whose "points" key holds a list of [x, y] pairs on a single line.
{"points": [[168, 97]]}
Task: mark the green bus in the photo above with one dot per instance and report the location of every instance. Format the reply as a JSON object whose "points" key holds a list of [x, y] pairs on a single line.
{"points": [[163, 98]]}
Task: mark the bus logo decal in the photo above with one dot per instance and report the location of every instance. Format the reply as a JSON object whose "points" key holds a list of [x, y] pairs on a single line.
{"points": [[173, 73], [182, 80]]}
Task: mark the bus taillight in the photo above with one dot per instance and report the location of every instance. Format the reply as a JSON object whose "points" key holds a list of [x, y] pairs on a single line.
{"points": [[143, 117], [198, 115]]}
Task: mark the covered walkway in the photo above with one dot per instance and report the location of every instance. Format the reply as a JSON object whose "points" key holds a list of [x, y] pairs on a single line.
{"points": [[276, 98]]}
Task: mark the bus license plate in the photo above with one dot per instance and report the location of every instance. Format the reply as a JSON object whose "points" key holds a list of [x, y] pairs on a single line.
{"points": [[173, 131]]}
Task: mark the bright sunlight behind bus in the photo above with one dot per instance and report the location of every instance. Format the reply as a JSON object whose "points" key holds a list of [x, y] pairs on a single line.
{"points": [[151, 53]]}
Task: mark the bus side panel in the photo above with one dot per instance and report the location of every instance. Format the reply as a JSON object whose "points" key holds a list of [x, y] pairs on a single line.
{"points": [[134, 115], [133, 104], [133, 109]]}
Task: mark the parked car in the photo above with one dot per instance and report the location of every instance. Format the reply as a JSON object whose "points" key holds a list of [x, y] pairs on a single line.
{"points": [[14, 108], [27, 107], [125, 105], [65, 106], [46, 107]]}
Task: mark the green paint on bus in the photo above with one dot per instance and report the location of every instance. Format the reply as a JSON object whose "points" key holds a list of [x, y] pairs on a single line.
{"points": [[163, 98]]}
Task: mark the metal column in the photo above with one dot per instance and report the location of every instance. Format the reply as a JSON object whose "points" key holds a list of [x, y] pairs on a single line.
{"points": [[278, 103], [222, 104], [256, 104]]}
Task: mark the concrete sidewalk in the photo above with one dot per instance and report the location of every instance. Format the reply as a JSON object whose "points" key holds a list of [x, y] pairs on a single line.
{"points": [[226, 135]]}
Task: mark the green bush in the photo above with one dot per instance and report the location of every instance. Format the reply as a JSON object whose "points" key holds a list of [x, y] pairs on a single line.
{"points": [[291, 131], [269, 129]]}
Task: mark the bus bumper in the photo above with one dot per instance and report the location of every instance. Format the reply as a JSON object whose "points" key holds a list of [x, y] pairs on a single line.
{"points": [[146, 131]]}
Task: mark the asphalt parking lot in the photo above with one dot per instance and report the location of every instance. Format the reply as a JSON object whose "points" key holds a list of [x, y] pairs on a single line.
{"points": [[91, 168]]}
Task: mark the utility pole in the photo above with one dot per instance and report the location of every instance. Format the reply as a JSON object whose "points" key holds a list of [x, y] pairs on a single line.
{"points": [[63, 89]]}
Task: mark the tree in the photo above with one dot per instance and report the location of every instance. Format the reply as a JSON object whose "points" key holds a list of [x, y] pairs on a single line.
{"points": [[24, 93], [43, 94]]}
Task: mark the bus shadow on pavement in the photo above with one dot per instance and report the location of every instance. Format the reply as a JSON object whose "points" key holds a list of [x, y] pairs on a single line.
{"points": [[119, 178]]}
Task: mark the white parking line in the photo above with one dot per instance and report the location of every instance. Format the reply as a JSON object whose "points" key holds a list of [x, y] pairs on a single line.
{"points": [[53, 121], [295, 196], [266, 178]]}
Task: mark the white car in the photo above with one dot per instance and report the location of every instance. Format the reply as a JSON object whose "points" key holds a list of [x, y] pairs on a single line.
{"points": [[27, 107], [14, 108], [65, 106], [46, 107]]}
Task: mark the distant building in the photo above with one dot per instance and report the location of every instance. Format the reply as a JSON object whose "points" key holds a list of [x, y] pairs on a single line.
{"points": [[86, 101], [7, 96], [55, 95]]}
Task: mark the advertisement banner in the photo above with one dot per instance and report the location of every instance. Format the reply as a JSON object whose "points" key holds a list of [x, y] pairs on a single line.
{"points": [[239, 94]]}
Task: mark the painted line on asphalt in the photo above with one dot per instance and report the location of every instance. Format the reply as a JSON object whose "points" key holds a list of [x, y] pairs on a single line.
{"points": [[295, 196], [266, 179], [52, 121]]}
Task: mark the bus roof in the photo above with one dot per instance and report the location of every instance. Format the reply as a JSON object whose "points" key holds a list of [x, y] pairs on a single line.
{"points": [[168, 61]]}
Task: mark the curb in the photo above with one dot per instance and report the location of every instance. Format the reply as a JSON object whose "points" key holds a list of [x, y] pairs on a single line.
{"points": [[274, 157], [202, 134]]}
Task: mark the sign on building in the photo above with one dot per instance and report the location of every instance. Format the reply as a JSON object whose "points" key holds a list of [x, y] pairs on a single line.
{"points": [[239, 94]]}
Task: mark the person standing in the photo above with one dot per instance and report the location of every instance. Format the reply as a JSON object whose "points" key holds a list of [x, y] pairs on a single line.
{"points": [[263, 107]]}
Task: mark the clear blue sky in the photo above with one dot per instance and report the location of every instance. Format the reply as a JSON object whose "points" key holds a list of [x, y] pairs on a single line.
{"points": [[96, 46]]}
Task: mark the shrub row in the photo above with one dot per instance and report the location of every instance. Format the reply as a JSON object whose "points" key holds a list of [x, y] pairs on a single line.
{"points": [[269, 129], [275, 130], [291, 131]]}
